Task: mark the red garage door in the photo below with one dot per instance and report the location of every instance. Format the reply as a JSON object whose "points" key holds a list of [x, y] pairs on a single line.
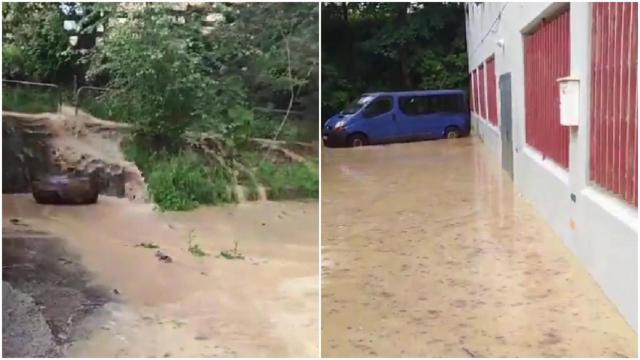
{"points": [[471, 93], [492, 96], [482, 92], [547, 58], [614, 105], [476, 94]]}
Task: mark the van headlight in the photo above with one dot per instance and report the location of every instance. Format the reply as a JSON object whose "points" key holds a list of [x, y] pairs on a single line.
{"points": [[340, 125]]}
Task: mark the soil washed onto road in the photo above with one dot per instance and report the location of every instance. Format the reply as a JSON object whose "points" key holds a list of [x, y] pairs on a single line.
{"points": [[429, 251], [120, 279]]}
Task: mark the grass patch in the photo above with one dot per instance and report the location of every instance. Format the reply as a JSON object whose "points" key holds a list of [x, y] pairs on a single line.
{"points": [[29, 100], [288, 181], [182, 182]]}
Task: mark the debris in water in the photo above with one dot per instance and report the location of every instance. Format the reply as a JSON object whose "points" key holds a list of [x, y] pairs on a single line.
{"points": [[257, 261], [232, 254], [162, 257], [16, 221], [194, 249], [147, 245], [116, 291], [65, 261], [469, 352]]}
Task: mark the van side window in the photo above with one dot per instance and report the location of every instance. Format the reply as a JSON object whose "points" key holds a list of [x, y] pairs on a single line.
{"points": [[378, 106], [431, 104]]}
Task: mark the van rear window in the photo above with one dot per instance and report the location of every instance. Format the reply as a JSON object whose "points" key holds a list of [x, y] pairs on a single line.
{"points": [[431, 104]]}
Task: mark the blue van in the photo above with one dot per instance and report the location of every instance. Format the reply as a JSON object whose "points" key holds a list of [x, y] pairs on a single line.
{"points": [[385, 117]]}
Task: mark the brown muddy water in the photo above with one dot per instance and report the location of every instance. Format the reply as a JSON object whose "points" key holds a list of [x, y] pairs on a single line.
{"points": [[264, 305], [427, 250]]}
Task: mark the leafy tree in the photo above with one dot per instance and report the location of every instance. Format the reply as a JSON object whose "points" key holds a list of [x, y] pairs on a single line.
{"points": [[390, 46], [176, 70], [173, 74], [35, 44], [156, 70]]}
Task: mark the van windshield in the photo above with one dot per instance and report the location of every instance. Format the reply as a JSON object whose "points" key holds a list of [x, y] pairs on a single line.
{"points": [[356, 105]]}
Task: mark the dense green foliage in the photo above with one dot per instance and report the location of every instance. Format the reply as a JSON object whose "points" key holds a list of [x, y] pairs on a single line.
{"points": [[29, 100], [34, 43], [169, 69], [390, 46], [182, 183], [289, 181]]}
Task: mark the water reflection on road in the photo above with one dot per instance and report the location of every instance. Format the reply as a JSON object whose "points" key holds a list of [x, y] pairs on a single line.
{"points": [[429, 251]]}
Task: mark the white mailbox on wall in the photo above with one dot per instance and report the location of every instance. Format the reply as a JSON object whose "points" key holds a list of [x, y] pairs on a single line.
{"points": [[569, 100]]}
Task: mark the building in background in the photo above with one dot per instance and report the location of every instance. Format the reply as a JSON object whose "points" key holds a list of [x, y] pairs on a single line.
{"points": [[582, 178]]}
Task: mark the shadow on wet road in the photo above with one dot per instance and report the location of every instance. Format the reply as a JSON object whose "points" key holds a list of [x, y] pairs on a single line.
{"points": [[427, 250]]}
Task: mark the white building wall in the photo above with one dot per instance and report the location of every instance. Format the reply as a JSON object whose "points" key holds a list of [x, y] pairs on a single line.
{"points": [[605, 236]]}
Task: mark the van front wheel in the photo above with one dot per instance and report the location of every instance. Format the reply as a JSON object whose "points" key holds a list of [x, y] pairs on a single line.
{"points": [[452, 133], [357, 140]]}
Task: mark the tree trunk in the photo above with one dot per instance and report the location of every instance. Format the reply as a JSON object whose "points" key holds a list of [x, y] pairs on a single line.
{"points": [[349, 39], [404, 68], [345, 12], [403, 52]]}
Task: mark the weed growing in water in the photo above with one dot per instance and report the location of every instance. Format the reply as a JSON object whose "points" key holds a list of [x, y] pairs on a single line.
{"points": [[194, 249], [232, 254], [148, 245]]}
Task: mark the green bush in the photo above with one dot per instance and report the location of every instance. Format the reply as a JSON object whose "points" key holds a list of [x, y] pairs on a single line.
{"points": [[12, 60], [101, 107], [183, 183], [143, 156], [287, 181]]}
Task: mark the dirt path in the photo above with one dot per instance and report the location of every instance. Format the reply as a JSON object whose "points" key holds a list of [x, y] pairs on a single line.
{"points": [[265, 305], [428, 251]]}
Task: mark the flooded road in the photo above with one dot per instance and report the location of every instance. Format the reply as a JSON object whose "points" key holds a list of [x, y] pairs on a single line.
{"points": [[193, 306], [427, 250]]}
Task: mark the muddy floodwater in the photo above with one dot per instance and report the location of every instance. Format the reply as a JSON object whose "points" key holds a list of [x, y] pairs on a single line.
{"points": [[427, 250], [192, 306]]}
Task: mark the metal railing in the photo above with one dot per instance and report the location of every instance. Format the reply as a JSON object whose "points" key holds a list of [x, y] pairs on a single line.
{"points": [[77, 95], [30, 101]]}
